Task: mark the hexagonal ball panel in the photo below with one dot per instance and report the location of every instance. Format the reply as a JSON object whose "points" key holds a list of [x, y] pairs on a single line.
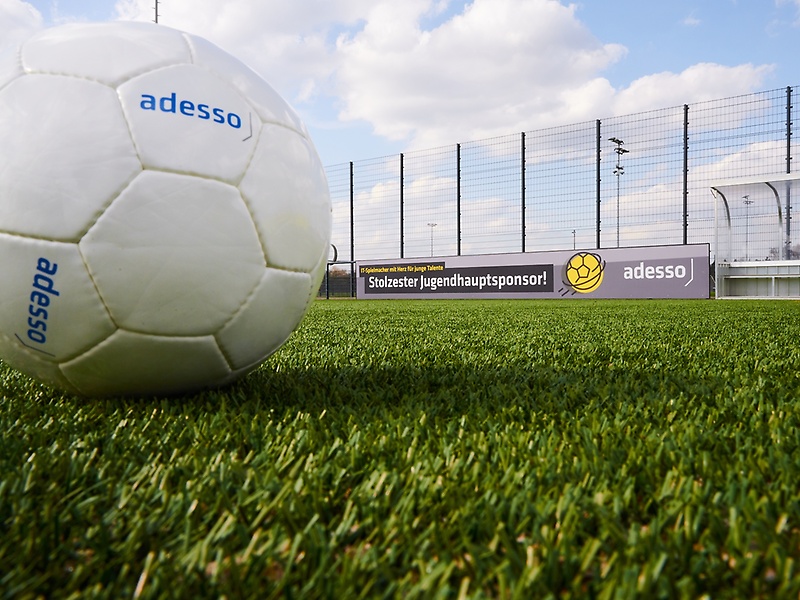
{"points": [[136, 364], [185, 119], [287, 191], [174, 255], [107, 52], [10, 67], [271, 108], [49, 307], [65, 154]]}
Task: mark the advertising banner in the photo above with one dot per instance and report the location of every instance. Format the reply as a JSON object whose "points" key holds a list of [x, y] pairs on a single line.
{"points": [[643, 272]]}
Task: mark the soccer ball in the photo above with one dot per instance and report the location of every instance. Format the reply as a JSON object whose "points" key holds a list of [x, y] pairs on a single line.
{"points": [[164, 217], [584, 272]]}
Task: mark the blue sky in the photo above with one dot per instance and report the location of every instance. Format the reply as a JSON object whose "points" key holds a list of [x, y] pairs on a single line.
{"points": [[377, 77]]}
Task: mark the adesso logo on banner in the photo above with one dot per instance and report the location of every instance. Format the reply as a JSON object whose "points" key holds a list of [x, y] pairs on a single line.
{"points": [[649, 271]]}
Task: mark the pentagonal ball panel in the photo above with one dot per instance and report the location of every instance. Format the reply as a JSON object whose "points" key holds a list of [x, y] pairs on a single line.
{"points": [[174, 255], [65, 154], [105, 52], [136, 364], [287, 191], [26, 362], [268, 318], [186, 119]]}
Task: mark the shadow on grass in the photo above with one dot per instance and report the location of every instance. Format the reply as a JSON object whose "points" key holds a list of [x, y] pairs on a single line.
{"points": [[446, 391]]}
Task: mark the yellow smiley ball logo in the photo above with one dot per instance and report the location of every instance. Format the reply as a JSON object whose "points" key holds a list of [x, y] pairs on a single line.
{"points": [[584, 272]]}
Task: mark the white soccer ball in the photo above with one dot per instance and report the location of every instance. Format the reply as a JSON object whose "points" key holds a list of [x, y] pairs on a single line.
{"points": [[164, 216]]}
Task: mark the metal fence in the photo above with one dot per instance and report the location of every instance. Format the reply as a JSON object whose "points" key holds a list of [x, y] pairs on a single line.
{"points": [[634, 180]]}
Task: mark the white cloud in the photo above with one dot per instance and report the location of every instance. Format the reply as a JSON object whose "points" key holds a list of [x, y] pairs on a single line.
{"points": [[428, 73], [698, 83], [290, 44], [499, 66], [691, 21]]}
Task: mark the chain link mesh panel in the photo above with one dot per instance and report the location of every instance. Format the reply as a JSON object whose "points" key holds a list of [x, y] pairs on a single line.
{"points": [[651, 171], [339, 186], [376, 207], [491, 195], [430, 199], [560, 182]]}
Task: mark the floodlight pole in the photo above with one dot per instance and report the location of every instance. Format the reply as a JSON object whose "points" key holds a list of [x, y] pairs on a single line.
{"points": [[747, 202], [432, 225], [156, 8], [619, 170]]}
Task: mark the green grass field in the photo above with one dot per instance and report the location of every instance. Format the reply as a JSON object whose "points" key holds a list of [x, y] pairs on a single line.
{"points": [[453, 449]]}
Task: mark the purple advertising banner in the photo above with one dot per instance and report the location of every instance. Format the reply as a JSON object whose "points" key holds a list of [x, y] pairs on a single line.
{"points": [[643, 272]]}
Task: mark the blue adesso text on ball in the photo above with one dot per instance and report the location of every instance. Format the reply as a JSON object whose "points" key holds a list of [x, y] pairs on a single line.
{"points": [[43, 289], [171, 104]]}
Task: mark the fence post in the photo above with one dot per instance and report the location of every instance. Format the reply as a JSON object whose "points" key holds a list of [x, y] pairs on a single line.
{"points": [[352, 235], [685, 173], [597, 183], [401, 206], [458, 197], [788, 251], [522, 188]]}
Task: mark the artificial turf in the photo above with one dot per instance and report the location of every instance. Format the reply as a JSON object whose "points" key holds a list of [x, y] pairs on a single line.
{"points": [[430, 449]]}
